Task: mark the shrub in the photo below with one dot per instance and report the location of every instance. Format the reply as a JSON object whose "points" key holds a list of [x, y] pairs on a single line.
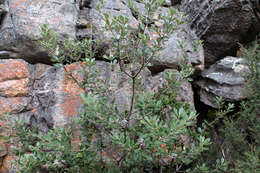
{"points": [[156, 133]]}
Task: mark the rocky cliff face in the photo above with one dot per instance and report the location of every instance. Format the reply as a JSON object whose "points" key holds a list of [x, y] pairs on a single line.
{"points": [[33, 89], [220, 24]]}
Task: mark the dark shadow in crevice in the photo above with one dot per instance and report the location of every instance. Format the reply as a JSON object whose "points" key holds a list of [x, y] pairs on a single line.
{"points": [[156, 69], [3, 13], [201, 109]]}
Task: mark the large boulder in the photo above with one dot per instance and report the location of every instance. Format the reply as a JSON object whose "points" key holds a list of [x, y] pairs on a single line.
{"points": [[22, 23], [220, 24], [223, 79], [173, 55]]}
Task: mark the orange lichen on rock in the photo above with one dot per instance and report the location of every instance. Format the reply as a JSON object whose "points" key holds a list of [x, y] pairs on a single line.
{"points": [[4, 149], [75, 144], [12, 104], [7, 163], [136, 24], [14, 88], [16, 3], [71, 106], [72, 90], [40, 69], [13, 70], [74, 66], [70, 85]]}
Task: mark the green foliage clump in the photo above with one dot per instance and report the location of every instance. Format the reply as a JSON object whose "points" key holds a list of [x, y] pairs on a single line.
{"points": [[244, 139]]}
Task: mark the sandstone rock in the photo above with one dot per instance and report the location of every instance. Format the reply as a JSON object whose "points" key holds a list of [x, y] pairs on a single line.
{"points": [[51, 97], [14, 105], [184, 91], [44, 95], [14, 88], [13, 70], [122, 88], [23, 21], [120, 84], [14, 92], [173, 54], [170, 57], [14, 85], [223, 79], [35, 102], [220, 24], [91, 16]]}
